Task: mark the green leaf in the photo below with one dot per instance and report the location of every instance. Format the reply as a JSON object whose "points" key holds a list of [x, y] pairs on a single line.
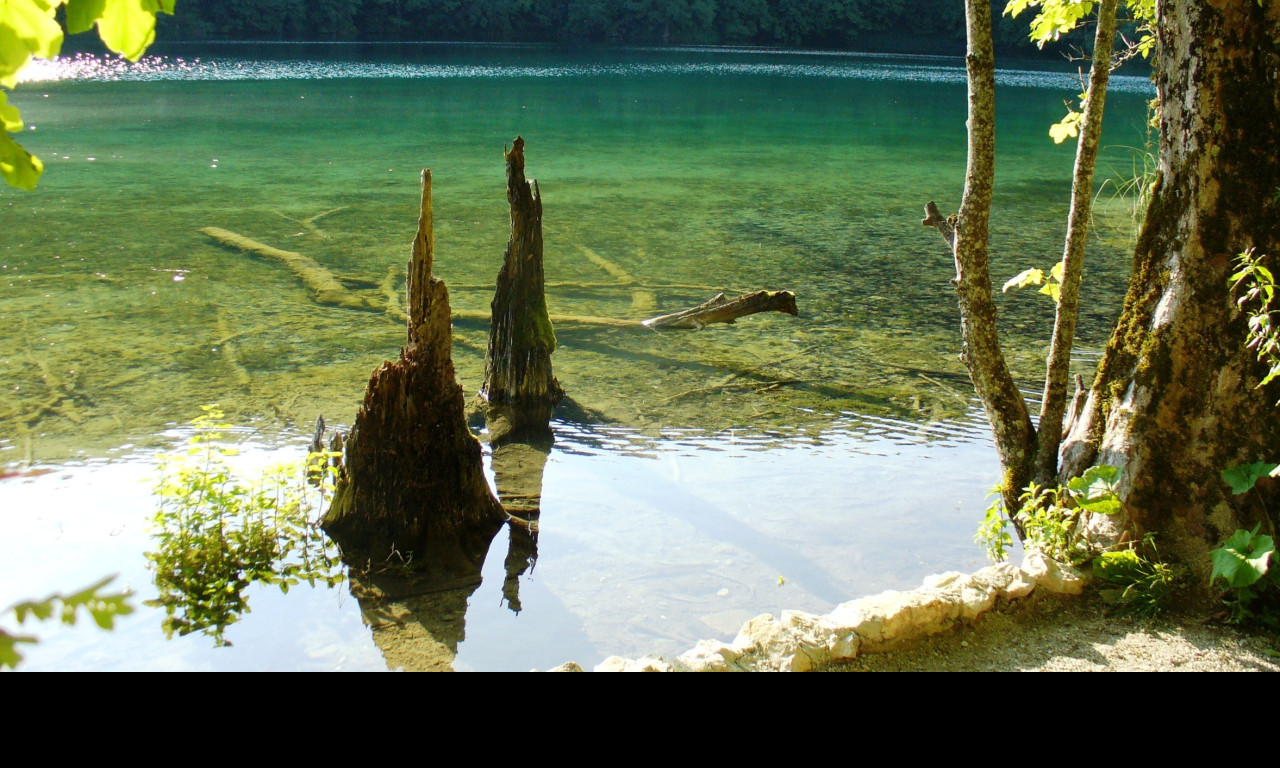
{"points": [[1052, 290], [81, 14], [27, 28], [1095, 490], [128, 27], [1015, 7], [18, 167], [1243, 559], [1242, 478], [1033, 276], [9, 656], [9, 115]]}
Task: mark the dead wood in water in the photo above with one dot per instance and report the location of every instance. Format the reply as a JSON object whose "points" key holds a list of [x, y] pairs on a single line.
{"points": [[413, 474], [519, 386], [722, 310], [325, 287]]}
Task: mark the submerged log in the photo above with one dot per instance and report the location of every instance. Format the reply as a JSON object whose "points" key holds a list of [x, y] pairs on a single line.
{"points": [[413, 471], [721, 310], [325, 287], [519, 386]]}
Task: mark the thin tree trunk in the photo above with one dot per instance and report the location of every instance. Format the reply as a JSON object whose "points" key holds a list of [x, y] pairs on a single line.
{"points": [[1058, 368], [981, 353]]}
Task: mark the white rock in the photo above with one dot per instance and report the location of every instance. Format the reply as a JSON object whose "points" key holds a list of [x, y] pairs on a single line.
{"points": [[939, 580], [612, 664], [892, 617], [568, 666], [1008, 580], [711, 656], [1051, 575]]}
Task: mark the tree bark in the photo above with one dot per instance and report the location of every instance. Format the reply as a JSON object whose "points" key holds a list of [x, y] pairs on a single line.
{"points": [[413, 471], [981, 353], [518, 377], [1175, 398], [1053, 404]]}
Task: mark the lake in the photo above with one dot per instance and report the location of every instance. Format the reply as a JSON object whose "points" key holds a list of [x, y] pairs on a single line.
{"points": [[701, 478]]}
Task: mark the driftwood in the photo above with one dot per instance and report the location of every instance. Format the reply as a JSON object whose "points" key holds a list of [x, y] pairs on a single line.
{"points": [[325, 287], [226, 345], [721, 310], [309, 224], [413, 478], [642, 299], [328, 289]]}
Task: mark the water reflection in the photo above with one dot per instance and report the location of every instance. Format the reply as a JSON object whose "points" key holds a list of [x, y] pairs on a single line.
{"points": [[417, 609]]}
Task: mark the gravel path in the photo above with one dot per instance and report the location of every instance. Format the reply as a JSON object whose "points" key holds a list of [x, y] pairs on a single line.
{"points": [[1078, 635]]}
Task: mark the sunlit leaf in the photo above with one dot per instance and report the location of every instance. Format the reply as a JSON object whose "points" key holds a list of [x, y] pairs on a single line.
{"points": [[27, 28], [128, 27], [1243, 559], [1033, 276], [1244, 477], [10, 118], [1095, 490], [1067, 128]]}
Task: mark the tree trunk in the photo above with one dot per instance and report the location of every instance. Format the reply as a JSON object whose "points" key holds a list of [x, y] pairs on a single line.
{"points": [[1174, 401], [1053, 405], [518, 381], [981, 353], [413, 471]]}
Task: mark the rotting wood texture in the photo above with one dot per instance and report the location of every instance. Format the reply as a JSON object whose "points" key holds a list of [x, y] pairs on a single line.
{"points": [[413, 473]]}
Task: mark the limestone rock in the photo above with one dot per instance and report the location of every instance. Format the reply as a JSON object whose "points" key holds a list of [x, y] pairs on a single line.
{"points": [[642, 664], [568, 666], [797, 642], [711, 656], [1052, 575]]}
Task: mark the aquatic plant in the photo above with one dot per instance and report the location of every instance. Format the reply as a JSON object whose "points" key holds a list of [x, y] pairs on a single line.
{"points": [[216, 534]]}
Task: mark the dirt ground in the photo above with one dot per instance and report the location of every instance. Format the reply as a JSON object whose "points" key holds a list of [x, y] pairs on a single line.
{"points": [[1082, 634]]}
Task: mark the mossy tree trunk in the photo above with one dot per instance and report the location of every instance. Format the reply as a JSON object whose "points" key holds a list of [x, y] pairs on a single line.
{"points": [[1174, 401], [981, 353], [518, 382], [413, 471]]}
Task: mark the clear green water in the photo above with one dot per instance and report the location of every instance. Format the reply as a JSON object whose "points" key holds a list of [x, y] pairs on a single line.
{"points": [[845, 455]]}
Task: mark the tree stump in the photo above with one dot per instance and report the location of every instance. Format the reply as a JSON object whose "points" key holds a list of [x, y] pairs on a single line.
{"points": [[519, 387], [413, 471]]}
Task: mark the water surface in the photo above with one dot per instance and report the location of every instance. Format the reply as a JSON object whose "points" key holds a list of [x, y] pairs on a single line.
{"points": [[840, 451]]}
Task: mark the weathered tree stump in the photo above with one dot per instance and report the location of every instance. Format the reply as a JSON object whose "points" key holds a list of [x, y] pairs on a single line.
{"points": [[413, 471], [519, 387]]}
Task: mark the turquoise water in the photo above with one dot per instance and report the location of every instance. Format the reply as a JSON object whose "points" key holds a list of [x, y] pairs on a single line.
{"points": [[839, 450]]}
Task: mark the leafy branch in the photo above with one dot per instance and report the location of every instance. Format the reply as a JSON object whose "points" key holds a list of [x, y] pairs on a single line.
{"points": [[29, 29], [103, 608]]}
